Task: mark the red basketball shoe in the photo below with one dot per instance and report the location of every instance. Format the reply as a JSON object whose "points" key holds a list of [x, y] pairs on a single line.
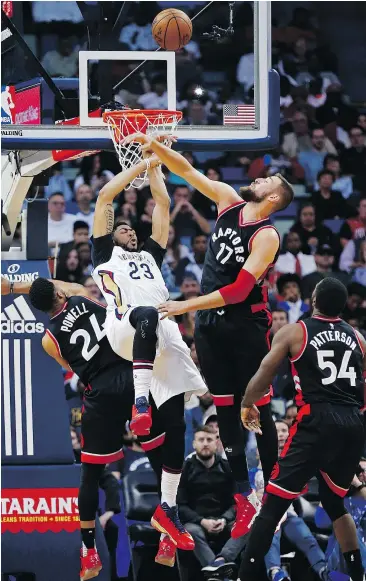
{"points": [[166, 552], [141, 421], [166, 520], [91, 564], [247, 508]]}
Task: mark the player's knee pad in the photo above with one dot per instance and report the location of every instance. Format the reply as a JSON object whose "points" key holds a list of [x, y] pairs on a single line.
{"points": [[145, 319], [332, 503], [231, 432]]}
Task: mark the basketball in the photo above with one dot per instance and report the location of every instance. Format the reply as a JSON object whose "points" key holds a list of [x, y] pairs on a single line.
{"points": [[172, 29]]}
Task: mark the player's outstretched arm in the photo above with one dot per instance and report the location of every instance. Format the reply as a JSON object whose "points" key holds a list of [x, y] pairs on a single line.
{"points": [[222, 194], [104, 213], [49, 346], [161, 212], [264, 248], [22, 288]]}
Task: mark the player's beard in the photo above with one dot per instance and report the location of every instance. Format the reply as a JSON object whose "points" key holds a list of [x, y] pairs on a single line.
{"points": [[249, 195]]}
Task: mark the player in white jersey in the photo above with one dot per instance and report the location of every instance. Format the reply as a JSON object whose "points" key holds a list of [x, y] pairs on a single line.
{"points": [[132, 284]]}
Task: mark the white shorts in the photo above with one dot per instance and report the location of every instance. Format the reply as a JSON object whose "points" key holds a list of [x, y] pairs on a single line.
{"points": [[174, 371]]}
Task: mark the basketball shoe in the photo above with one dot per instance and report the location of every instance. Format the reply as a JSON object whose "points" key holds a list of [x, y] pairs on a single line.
{"points": [[91, 564], [141, 422], [247, 508], [166, 552], [166, 520]]}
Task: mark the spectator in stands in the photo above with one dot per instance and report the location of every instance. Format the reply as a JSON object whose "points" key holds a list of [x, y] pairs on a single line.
{"points": [[187, 325], [63, 61], [189, 288], [174, 253], [277, 162], [128, 209], [80, 234], [361, 121], [283, 382], [92, 173], [289, 287], [204, 205], [137, 35], [93, 289], [60, 224], [197, 115], [144, 226], [69, 268], [84, 253], [353, 159], [157, 98], [213, 423], [205, 500], [185, 218], [279, 320], [329, 203], [291, 413], [245, 71], [355, 228], [356, 296], [324, 260], [58, 183], [359, 272], [296, 531], [311, 232], [312, 161], [342, 183], [193, 263], [293, 260], [349, 258], [299, 139], [84, 197]]}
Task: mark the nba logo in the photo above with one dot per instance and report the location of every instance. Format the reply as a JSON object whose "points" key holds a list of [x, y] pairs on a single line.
{"points": [[8, 105]]}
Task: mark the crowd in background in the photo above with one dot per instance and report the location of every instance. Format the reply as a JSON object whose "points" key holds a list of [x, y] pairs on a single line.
{"points": [[322, 151]]}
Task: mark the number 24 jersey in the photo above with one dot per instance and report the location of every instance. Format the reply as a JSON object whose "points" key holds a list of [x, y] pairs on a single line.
{"points": [[79, 335]]}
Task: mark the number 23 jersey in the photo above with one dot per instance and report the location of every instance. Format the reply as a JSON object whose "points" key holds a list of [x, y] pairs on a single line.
{"points": [[79, 335], [129, 278]]}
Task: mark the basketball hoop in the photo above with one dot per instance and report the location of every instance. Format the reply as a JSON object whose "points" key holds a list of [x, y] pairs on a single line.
{"points": [[128, 121]]}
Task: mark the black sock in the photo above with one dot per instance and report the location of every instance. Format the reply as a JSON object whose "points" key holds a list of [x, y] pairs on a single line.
{"points": [[88, 537], [354, 564]]}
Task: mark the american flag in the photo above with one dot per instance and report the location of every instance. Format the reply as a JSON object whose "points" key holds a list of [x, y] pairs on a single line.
{"points": [[239, 114]]}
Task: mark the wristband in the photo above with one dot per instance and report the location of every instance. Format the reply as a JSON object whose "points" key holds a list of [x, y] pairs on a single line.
{"points": [[239, 290], [147, 163], [11, 290]]}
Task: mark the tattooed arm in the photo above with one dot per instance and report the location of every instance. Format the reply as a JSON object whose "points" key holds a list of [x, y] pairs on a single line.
{"points": [[104, 213]]}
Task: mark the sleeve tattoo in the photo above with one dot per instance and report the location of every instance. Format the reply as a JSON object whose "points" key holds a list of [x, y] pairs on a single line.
{"points": [[109, 218]]}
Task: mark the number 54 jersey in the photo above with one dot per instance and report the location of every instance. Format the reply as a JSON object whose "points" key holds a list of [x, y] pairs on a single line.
{"points": [[79, 335], [329, 366]]}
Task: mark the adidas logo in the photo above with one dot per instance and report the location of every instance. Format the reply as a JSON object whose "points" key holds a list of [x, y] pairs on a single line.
{"points": [[18, 318]]}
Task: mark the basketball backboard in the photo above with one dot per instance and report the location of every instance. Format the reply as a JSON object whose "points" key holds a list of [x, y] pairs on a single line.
{"points": [[225, 87]]}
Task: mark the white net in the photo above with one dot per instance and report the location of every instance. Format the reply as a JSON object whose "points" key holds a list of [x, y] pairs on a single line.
{"points": [[121, 124]]}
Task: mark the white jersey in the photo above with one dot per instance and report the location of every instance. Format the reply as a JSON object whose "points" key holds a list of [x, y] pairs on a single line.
{"points": [[129, 278]]}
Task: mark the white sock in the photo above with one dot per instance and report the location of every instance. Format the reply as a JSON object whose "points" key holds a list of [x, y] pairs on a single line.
{"points": [[169, 487], [142, 375]]}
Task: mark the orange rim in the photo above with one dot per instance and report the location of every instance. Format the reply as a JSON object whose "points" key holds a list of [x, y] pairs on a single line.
{"points": [[139, 114]]}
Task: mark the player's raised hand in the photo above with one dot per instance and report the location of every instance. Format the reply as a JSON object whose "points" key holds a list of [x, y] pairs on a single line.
{"points": [[145, 140], [250, 418], [172, 308]]}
